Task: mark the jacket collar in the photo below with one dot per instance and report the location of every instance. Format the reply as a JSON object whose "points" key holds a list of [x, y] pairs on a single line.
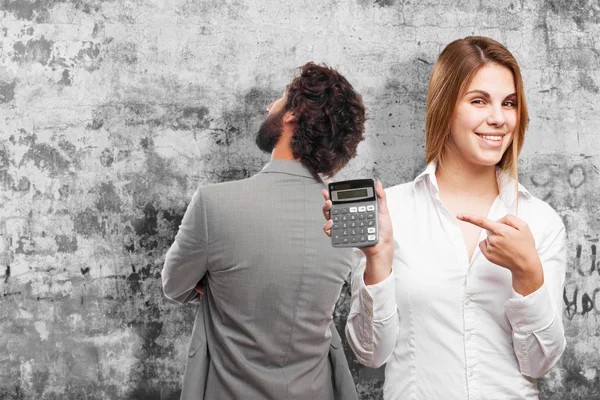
{"points": [[506, 185], [290, 167]]}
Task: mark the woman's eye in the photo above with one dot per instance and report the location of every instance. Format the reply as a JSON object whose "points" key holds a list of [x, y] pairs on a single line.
{"points": [[511, 104], [477, 101]]}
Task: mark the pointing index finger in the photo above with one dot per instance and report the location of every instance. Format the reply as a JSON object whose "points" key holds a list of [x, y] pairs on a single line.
{"points": [[481, 222]]}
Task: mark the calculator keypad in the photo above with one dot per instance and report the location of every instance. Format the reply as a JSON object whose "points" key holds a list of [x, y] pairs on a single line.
{"points": [[353, 226]]}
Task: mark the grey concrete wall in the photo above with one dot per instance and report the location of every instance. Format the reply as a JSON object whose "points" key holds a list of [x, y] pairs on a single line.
{"points": [[112, 112]]}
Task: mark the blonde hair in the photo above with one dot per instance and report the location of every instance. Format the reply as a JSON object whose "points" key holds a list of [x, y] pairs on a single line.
{"points": [[453, 71]]}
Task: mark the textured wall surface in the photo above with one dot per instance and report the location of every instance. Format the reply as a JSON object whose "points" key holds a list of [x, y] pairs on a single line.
{"points": [[112, 112]]}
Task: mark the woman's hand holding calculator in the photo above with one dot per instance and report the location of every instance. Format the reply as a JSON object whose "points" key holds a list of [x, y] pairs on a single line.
{"points": [[380, 255]]}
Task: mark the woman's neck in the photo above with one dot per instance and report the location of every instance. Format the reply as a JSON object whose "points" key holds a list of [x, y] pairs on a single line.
{"points": [[460, 178]]}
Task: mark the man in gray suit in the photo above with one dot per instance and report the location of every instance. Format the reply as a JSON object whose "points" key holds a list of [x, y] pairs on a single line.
{"points": [[270, 278]]}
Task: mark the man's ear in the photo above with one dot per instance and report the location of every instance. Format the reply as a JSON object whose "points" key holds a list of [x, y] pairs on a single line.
{"points": [[290, 118]]}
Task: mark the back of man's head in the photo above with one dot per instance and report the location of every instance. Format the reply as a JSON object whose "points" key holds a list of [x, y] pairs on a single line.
{"points": [[330, 118]]}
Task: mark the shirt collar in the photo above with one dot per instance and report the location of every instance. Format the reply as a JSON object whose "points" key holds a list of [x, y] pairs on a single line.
{"points": [[506, 185], [291, 167]]}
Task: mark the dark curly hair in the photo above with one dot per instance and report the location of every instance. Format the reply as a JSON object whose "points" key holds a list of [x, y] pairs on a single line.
{"points": [[330, 118]]}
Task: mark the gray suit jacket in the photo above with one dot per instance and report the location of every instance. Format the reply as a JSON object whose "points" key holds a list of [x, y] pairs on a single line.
{"points": [[264, 327]]}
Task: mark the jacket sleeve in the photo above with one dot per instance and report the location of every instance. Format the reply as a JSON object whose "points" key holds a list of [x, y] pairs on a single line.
{"points": [[536, 319], [372, 326], [187, 259]]}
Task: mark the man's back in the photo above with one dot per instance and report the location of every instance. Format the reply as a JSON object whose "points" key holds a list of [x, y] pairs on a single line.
{"points": [[273, 281], [264, 328]]}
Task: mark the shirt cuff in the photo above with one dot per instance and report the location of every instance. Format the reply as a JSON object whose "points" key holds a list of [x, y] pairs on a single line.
{"points": [[531, 313], [378, 301]]}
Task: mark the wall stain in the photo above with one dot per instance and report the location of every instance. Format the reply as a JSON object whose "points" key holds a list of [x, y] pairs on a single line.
{"points": [[106, 158], [587, 82], [66, 78], [35, 50], [7, 274], [66, 244], [146, 225], [580, 11], [25, 246], [7, 91], [97, 121], [126, 53], [24, 185], [575, 385], [47, 157], [24, 9], [149, 327], [385, 3], [88, 222], [99, 29], [191, 118], [39, 10], [13, 392], [5, 178], [89, 55], [108, 200]]}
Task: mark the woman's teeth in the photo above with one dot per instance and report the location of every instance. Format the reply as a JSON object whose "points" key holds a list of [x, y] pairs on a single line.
{"points": [[493, 138]]}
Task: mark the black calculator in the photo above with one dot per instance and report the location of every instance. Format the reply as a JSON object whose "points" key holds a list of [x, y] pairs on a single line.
{"points": [[354, 213]]}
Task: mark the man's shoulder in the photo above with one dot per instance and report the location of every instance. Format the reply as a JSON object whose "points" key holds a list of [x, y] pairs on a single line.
{"points": [[219, 187]]}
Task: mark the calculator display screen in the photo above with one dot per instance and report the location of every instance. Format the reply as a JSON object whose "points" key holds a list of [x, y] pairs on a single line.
{"points": [[350, 194]]}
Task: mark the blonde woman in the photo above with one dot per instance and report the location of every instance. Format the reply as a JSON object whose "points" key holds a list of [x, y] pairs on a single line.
{"points": [[464, 300]]}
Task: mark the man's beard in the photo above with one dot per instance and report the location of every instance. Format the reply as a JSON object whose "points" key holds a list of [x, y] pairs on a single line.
{"points": [[269, 132]]}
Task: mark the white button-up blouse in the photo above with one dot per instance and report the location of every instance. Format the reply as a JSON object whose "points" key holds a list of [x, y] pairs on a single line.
{"points": [[453, 329]]}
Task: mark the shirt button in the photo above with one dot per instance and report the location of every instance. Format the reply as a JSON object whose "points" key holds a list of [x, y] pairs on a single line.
{"points": [[365, 295], [368, 312], [471, 373], [368, 347], [521, 354]]}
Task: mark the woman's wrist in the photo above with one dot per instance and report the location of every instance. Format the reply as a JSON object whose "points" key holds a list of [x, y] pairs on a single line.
{"points": [[379, 265], [529, 277]]}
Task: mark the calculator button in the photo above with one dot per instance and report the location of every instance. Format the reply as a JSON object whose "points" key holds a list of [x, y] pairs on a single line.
{"points": [[363, 238], [345, 232], [362, 216], [335, 211], [371, 237], [353, 209], [362, 223], [370, 208], [337, 238], [362, 208], [335, 226], [336, 218], [354, 239], [370, 215], [353, 224], [345, 240], [345, 218], [362, 231], [353, 217], [371, 230], [355, 231], [344, 210], [344, 225], [371, 223]]}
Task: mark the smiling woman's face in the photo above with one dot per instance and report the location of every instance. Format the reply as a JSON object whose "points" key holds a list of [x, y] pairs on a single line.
{"points": [[485, 117]]}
